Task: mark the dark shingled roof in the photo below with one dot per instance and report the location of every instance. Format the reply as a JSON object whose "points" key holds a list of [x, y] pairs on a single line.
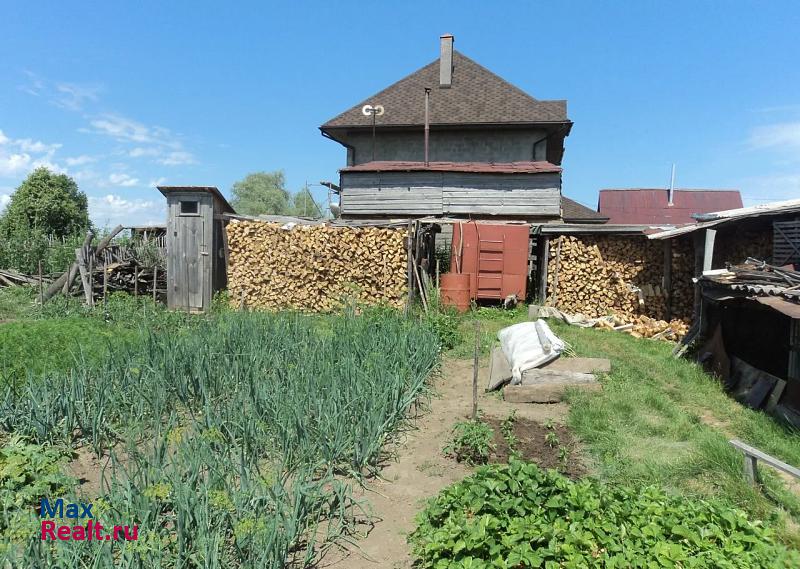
{"points": [[574, 212], [477, 96], [480, 167]]}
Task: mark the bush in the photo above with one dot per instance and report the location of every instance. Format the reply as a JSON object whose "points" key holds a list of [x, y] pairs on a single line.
{"points": [[516, 515], [471, 442], [445, 324]]}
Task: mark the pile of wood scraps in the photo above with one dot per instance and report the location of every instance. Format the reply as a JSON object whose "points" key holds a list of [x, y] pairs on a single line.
{"points": [[10, 277], [638, 326]]}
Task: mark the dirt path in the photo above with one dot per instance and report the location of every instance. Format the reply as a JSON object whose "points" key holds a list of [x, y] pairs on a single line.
{"points": [[420, 470]]}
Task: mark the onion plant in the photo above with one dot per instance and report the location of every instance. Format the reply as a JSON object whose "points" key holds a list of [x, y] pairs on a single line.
{"points": [[233, 443]]}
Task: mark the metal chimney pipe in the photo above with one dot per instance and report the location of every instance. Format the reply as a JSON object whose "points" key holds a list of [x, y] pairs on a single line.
{"points": [[446, 61], [671, 187], [427, 121]]}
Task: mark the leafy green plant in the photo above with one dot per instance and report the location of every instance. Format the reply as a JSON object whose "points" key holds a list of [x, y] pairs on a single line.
{"points": [[28, 472], [516, 515], [507, 429], [471, 442]]}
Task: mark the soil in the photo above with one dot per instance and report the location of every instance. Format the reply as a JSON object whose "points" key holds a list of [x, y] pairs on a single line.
{"points": [[549, 446], [420, 469]]}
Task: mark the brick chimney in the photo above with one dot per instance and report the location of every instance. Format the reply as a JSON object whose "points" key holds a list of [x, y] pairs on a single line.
{"points": [[446, 61]]}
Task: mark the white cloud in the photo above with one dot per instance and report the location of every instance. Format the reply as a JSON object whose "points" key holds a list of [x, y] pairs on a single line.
{"points": [[781, 135], [3, 138], [138, 152], [14, 164], [123, 180], [4, 200], [72, 96], [157, 182], [177, 159], [771, 188], [80, 160], [28, 145], [112, 209]]}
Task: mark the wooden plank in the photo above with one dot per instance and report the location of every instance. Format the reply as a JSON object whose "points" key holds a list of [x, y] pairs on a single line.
{"points": [[708, 251], [543, 276], [580, 365], [765, 458], [538, 376], [545, 392]]}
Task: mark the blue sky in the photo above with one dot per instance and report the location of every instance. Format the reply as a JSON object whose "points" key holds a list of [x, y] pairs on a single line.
{"points": [[123, 96]]}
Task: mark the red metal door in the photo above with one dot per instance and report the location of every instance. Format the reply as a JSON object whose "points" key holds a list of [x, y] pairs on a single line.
{"points": [[494, 255]]}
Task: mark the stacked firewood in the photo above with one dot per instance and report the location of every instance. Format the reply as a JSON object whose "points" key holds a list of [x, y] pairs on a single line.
{"points": [[315, 267], [600, 275], [642, 326]]}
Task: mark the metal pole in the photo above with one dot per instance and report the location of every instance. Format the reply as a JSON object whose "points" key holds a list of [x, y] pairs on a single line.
{"points": [[373, 132], [427, 121]]}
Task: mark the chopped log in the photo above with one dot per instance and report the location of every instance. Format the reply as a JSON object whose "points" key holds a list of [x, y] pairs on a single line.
{"points": [[317, 268]]}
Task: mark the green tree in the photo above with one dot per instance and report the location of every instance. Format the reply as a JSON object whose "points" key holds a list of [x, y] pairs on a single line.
{"points": [[261, 193], [47, 203], [303, 204]]}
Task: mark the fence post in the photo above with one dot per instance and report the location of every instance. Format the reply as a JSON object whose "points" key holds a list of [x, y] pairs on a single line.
{"points": [[105, 279], [155, 282], [475, 370]]}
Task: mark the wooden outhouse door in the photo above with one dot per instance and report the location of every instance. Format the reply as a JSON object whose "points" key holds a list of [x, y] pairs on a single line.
{"points": [[189, 263]]}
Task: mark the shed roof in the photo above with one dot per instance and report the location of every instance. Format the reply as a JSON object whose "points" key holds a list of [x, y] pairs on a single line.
{"points": [[477, 167], [650, 206], [574, 212], [476, 96], [786, 207], [165, 190]]}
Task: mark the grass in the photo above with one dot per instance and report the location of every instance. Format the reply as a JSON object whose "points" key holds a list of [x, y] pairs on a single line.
{"points": [[29, 348], [664, 421]]}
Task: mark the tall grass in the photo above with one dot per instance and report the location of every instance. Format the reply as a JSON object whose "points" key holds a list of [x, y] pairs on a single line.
{"points": [[230, 440]]}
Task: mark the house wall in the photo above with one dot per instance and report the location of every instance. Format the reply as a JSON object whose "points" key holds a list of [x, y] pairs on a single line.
{"points": [[533, 196], [466, 145]]}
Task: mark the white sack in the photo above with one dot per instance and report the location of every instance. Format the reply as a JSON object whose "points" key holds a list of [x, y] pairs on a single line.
{"points": [[523, 350]]}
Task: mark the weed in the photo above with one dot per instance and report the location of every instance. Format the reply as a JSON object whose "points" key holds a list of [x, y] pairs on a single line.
{"points": [[507, 429], [471, 442]]}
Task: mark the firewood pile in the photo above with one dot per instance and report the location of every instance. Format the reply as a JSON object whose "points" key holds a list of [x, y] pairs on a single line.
{"points": [[642, 326], [600, 275], [315, 267]]}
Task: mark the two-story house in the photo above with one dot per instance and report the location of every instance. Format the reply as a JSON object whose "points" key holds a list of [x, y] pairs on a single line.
{"points": [[452, 139]]}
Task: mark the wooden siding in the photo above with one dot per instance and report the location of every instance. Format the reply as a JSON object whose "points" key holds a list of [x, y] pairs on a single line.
{"points": [[445, 193]]}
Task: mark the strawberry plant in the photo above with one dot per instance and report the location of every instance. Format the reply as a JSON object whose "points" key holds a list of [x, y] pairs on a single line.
{"points": [[516, 515]]}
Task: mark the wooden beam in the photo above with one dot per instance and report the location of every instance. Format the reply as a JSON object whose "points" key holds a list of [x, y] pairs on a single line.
{"points": [[667, 284], [708, 251], [545, 259], [752, 455]]}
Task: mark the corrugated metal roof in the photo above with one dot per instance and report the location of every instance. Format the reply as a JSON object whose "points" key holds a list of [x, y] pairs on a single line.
{"points": [[651, 206], [721, 217], [478, 167]]}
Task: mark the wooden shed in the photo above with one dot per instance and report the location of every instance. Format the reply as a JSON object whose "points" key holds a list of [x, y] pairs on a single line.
{"points": [[195, 245]]}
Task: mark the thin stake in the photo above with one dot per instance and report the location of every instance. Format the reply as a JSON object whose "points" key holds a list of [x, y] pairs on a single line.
{"points": [[105, 279], [155, 281], [475, 371], [41, 288], [136, 280], [91, 279]]}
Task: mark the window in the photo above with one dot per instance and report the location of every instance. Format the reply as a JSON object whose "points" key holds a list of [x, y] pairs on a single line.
{"points": [[190, 207]]}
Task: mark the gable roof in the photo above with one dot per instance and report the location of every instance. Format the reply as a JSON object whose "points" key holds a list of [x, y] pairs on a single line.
{"points": [[477, 96], [649, 206], [574, 212]]}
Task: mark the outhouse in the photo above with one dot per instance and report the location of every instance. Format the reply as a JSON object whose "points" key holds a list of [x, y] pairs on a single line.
{"points": [[195, 245]]}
